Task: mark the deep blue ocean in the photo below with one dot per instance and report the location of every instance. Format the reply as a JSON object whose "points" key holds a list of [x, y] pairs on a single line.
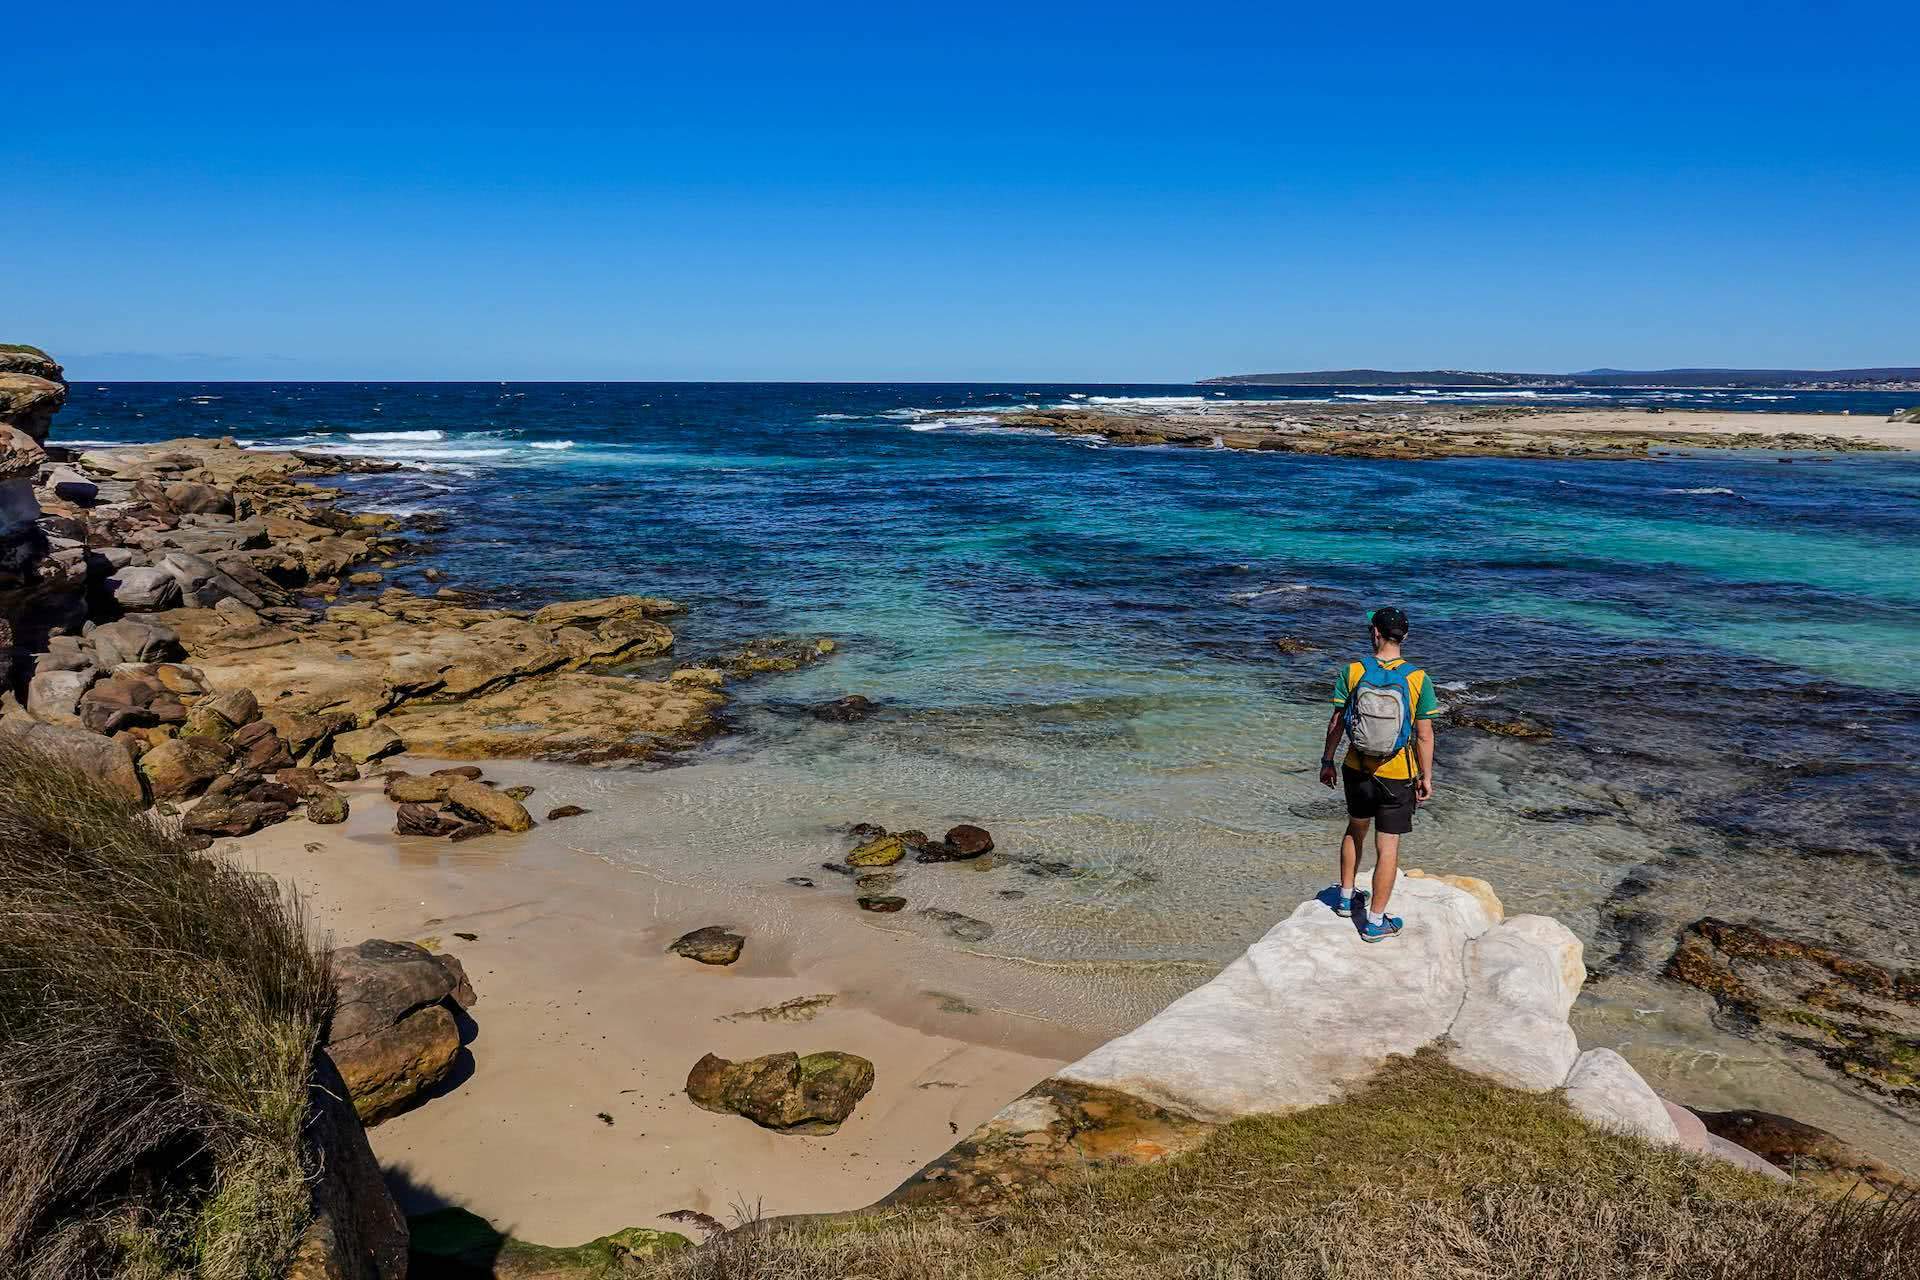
{"points": [[1076, 644]]}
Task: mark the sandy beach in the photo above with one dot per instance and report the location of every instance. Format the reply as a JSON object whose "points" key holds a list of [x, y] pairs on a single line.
{"points": [[1864, 429], [583, 1014]]}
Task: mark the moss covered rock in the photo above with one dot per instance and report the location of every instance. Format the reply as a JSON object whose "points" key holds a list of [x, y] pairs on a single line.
{"points": [[783, 1091], [453, 1244], [1862, 1020]]}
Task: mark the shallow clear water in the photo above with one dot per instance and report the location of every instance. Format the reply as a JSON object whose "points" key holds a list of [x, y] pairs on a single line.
{"points": [[1073, 644]]}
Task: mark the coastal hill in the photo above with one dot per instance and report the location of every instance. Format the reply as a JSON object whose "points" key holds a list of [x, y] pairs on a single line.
{"points": [[1889, 379]]}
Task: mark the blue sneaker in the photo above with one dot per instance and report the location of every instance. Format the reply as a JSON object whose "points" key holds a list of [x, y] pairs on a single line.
{"points": [[1388, 926], [1341, 903]]}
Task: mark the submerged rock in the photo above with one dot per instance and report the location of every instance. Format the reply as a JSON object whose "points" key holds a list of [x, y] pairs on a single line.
{"points": [[882, 904], [783, 1091], [848, 710], [1811, 1155], [564, 811], [1861, 1020], [881, 852], [960, 926], [713, 944], [962, 844]]}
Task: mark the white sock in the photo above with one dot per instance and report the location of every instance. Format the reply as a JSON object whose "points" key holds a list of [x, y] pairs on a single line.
{"points": [[1376, 917]]}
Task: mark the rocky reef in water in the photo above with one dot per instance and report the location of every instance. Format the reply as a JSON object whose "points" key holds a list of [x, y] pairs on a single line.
{"points": [[1407, 432], [204, 626]]}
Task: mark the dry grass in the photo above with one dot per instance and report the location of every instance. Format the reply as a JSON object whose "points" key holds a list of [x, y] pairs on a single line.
{"points": [[1432, 1173], [158, 1016]]}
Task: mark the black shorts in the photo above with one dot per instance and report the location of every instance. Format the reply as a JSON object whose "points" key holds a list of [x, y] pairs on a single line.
{"points": [[1388, 802]]}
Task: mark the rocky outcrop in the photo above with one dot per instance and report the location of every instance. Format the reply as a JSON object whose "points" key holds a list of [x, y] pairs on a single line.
{"points": [[1306, 1016], [28, 402], [395, 1033], [783, 1091], [201, 552]]}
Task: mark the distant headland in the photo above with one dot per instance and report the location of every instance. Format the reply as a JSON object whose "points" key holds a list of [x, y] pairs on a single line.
{"points": [[1901, 379]]}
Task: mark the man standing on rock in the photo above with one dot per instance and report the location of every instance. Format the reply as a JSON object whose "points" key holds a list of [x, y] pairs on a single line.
{"points": [[1385, 708]]}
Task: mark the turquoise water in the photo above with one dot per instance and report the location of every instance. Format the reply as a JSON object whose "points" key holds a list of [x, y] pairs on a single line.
{"points": [[1074, 645]]}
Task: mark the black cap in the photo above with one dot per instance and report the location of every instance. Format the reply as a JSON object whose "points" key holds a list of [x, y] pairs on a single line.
{"points": [[1390, 622]]}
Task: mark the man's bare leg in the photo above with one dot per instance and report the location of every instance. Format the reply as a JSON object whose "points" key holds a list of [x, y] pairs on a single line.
{"points": [[1386, 865], [1350, 845]]}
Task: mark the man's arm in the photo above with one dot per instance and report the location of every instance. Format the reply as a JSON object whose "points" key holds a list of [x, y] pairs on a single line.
{"points": [[1423, 751], [1336, 725]]}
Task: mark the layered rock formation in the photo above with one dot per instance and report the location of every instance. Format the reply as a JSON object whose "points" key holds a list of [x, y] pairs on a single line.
{"points": [[1307, 1014]]}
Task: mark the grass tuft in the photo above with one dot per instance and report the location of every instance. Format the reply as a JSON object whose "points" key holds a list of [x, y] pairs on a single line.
{"points": [[159, 1013]]}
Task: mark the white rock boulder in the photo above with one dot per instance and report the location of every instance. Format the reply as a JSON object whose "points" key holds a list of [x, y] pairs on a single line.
{"points": [[1309, 1010], [1512, 1025], [1610, 1093]]}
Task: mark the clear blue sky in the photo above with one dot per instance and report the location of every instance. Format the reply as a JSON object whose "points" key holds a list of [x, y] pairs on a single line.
{"points": [[890, 191]]}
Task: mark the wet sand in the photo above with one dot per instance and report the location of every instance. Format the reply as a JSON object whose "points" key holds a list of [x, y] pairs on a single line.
{"points": [[582, 1011]]}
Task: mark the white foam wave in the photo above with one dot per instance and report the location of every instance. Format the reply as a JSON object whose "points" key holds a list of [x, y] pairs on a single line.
{"points": [[963, 420], [1146, 400], [1710, 489], [1382, 396], [551, 444], [396, 435], [400, 509], [1283, 588], [835, 417], [400, 451]]}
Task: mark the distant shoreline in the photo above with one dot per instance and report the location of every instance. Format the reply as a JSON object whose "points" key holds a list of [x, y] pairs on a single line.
{"points": [[1882, 379]]}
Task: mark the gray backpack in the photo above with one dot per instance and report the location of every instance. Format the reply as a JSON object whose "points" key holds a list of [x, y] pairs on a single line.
{"points": [[1380, 710]]}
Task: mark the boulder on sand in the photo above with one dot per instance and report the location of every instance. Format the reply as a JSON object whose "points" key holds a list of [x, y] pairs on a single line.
{"points": [[495, 808], [712, 945], [783, 1091], [394, 1033], [421, 820]]}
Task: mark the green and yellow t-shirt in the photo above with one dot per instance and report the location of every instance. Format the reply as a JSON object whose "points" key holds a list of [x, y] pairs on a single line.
{"points": [[1401, 764]]}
